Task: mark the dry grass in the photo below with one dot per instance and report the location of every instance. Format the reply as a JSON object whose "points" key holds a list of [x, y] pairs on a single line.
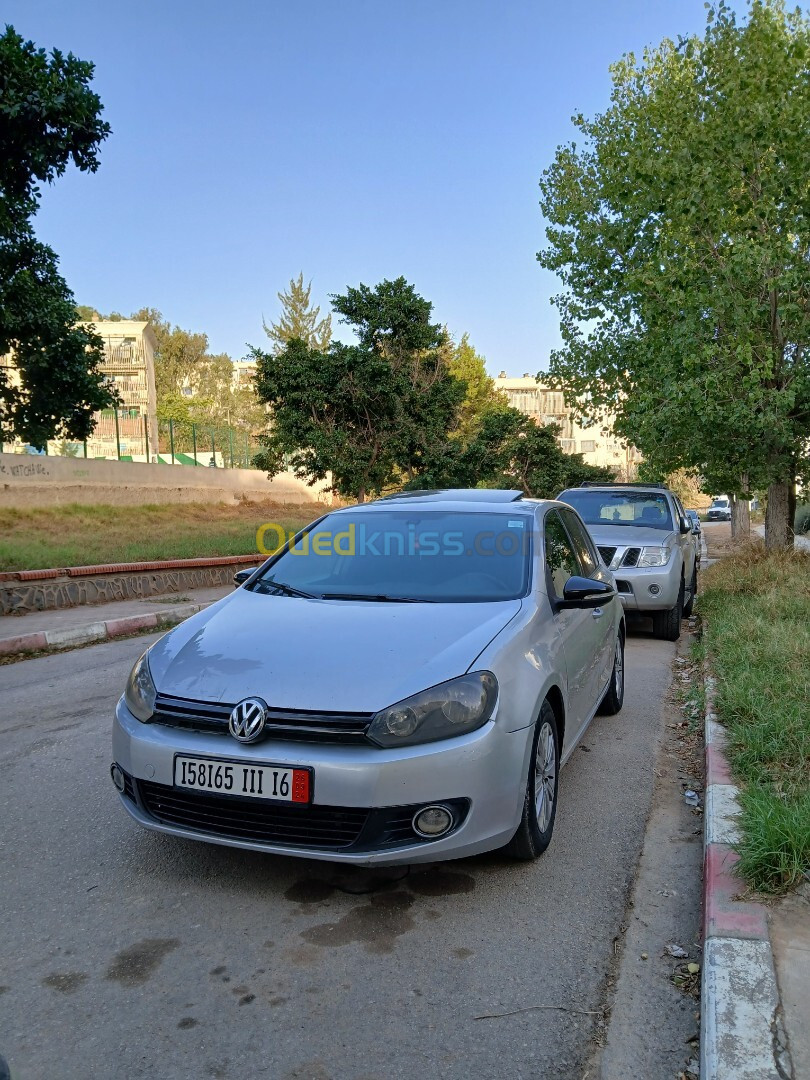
{"points": [[77, 535]]}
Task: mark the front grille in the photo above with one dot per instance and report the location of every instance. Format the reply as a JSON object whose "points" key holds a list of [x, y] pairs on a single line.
{"points": [[323, 827], [614, 556], [623, 587], [296, 725]]}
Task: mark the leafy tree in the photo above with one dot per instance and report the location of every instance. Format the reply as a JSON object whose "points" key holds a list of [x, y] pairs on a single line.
{"points": [[364, 413], [681, 234], [299, 320], [49, 117], [480, 397], [508, 451], [194, 386]]}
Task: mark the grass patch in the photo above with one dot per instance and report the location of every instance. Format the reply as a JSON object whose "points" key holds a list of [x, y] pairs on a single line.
{"points": [[758, 609], [77, 535]]}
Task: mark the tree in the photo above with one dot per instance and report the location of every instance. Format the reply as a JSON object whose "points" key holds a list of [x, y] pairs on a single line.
{"points": [[299, 320], [508, 451], [49, 117], [363, 413], [680, 232], [194, 386], [480, 396]]}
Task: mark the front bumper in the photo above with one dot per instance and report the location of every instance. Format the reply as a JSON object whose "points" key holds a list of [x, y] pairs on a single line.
{"points": [[368, 792], [634, 587]]}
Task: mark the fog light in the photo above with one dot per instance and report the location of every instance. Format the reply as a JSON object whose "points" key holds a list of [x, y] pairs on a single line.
{"points": [[432, 821], [655, 589], [117, 774]]}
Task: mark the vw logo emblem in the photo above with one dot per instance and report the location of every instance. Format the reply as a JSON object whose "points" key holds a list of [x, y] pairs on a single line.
{"points": [[247, 720]]}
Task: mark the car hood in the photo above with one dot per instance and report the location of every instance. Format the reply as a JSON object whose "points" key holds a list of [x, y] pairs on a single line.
{"points": [[629, 536], [322, 655]]}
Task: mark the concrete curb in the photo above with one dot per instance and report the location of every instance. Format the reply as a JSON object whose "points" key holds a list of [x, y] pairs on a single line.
{"points": [[740, 1037], [98, 631]]}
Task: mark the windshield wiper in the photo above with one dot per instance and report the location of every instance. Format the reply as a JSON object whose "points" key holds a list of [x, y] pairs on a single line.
{"points": [[288, 590], [379, 597]]}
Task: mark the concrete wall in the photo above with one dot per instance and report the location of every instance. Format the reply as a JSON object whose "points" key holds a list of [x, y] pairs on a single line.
{"points": [[23, 593], [27, 481]]}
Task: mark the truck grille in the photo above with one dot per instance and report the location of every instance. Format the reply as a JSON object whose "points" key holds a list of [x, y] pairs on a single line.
{"points": [[614, 557], [293, 725]]}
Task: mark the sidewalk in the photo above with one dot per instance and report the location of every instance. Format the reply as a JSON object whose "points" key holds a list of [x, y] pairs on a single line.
{"points": [[64, 628]]}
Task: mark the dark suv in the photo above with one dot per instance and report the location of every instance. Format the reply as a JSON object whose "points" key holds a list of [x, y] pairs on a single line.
{"points": [[645, 537]]}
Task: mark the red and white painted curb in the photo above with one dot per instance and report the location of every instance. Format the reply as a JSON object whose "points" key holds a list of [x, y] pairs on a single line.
{"points": [[72, 636], [740, 1032]]}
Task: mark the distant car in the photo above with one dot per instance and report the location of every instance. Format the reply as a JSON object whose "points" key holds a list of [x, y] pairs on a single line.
{"points": [[720, 510], [400, 685], [646, 540]]}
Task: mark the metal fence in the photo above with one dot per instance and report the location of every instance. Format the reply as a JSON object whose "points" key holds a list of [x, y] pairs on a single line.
{"points": [[124, 435], [223, 446]]}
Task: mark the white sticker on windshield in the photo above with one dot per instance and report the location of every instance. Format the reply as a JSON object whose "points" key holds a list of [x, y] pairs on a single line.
{"points": [[515, 524]]}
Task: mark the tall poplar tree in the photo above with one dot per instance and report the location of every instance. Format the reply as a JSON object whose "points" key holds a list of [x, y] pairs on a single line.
{"points": [[679, 228]]}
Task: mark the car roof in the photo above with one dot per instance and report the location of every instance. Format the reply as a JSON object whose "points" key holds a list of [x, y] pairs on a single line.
{"points": [[652, 489], [468, 500], [488, 495]]}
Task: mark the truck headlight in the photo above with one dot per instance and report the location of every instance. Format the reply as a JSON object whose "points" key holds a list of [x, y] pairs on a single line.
{"points": [[140, 693], [654, 556], [451, 708]]}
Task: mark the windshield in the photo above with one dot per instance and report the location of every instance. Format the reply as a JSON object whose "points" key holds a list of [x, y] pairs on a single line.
{"points": [[402, 555], [645, 508]]}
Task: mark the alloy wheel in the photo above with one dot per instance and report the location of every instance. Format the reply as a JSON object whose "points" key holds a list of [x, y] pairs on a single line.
{"points": [[545, 776]]}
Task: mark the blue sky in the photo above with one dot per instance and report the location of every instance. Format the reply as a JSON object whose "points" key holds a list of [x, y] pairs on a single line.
{"points": [[350, 139]]}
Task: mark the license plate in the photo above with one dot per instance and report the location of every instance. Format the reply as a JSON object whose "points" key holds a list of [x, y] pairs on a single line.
{"points": [[262, 781]]}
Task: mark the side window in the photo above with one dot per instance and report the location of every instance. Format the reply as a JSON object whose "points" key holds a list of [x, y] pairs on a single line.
{"points": [[582, 542], [561, 558]]}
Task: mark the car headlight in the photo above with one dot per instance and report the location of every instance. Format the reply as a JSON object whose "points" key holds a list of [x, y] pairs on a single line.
{"points": [[451, 708], [654, 556], [140, 693]]}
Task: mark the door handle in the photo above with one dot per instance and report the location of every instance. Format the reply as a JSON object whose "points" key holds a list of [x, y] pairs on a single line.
{"points": [[597, 613]]}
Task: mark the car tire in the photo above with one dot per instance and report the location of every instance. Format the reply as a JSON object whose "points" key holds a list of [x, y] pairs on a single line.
{"points": [[690, 607], [613, 700], [536, 826], [667, 624]]}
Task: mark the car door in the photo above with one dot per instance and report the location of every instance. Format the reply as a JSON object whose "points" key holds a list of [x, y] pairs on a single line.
{"points": [[589, 561], [687, 541], [580, 629]]}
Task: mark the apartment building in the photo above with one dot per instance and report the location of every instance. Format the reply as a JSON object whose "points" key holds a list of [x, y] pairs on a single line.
{"points": [[129, 366], [597, 443], [131, 430], [243, 373]]}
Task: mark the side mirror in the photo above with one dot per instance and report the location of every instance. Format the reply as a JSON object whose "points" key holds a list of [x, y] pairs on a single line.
{"points": [[696, 528], [241, 576], [583, 592], [686, 526]]}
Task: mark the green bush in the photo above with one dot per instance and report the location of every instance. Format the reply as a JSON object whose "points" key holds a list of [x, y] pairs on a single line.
{"points": [[801, 523]]}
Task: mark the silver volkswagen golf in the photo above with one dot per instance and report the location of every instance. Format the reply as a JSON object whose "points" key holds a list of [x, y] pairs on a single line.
{"points": [[399, 683]]}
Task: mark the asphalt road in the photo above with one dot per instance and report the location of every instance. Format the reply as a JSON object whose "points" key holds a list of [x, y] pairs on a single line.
{"points": [[128, 954]]}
